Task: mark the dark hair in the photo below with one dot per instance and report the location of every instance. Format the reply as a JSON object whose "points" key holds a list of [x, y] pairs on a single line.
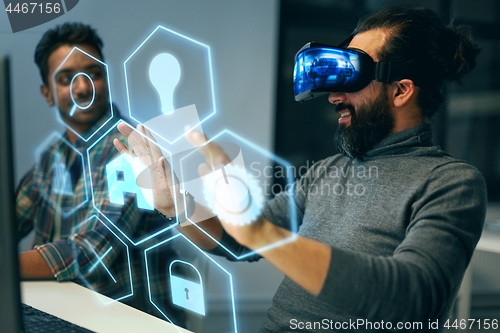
{"points": [[419, 41], [68, 33]]}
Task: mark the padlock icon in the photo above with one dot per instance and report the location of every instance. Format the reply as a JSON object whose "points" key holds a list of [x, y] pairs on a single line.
{"points": [[185, 293]]}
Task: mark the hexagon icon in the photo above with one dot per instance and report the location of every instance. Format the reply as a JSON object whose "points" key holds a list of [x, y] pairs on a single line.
{"points": [[104, 263], [114, 186], [56, 184], [169, 71], [186, 280], [237, 190], [81, 90]]}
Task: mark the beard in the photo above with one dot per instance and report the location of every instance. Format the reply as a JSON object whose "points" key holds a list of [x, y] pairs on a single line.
{"points": [[370, 123]]}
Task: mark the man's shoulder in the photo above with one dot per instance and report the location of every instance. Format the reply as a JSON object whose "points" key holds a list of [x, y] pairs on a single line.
{"points": [[459, 169], [439, 172], [439, 162], [434, 164]]}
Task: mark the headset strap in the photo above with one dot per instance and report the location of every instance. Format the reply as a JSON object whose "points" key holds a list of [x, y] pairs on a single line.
{"points": [[386, 71]]}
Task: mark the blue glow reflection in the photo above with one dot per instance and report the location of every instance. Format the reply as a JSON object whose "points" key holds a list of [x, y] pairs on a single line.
{"points": [[321, 67]]}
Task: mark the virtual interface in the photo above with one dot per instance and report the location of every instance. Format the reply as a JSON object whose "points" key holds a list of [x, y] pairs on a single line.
{"points": [[103, 200], [324, 68]]}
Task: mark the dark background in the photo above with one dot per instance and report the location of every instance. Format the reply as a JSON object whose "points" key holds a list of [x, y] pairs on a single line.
{"points": [[466, 126]]}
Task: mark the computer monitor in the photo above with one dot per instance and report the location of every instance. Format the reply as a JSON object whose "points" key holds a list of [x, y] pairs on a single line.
{"points": [[10, 298]]}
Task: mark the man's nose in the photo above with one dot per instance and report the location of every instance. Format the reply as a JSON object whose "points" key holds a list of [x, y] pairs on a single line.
{"points": [[81, 86], [336, 97]]}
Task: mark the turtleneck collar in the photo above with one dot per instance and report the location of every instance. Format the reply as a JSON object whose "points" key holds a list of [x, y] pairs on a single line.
{"points": [[403, 142]]}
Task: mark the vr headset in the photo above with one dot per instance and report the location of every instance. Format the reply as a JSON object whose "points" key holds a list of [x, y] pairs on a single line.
{"points": [[321, 69]]}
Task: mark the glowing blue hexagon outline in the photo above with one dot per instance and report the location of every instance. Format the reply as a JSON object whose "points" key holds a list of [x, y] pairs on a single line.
{"points": [[206, 255], [128, 258], [294, 223], [39, 151], [92, 186], [55, 94], [211, 81]]}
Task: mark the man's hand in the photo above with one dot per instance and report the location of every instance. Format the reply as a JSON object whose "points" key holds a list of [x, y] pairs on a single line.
{"points": [[303, 260], [166, 182], [248, 235], [161, 173]]}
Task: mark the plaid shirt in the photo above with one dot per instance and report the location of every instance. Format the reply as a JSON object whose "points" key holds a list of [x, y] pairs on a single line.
{"points": [[88, 252]]}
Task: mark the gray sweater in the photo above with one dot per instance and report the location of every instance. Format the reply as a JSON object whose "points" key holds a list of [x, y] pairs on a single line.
{"points": [[402, 223]]}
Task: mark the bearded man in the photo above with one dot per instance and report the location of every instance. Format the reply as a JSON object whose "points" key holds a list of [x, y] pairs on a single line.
{"points": [[393, 257]]}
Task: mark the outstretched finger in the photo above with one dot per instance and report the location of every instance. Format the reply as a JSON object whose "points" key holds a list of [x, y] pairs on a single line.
{"points": [[212, 152], [153, 148], [122, 148], [140, 147], [125, 129]]}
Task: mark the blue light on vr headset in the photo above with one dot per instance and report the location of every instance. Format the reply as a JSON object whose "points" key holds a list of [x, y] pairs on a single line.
{"points": [[324, 68]]}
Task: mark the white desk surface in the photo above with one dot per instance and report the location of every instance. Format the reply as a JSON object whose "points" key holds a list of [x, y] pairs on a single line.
{"points": [[489, 241], [88, 309]]}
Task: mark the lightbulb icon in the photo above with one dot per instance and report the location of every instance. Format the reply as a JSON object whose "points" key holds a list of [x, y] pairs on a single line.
{"points": [[165, 73]]}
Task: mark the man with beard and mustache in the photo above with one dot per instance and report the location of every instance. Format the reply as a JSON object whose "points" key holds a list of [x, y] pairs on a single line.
{"points": [[365, 127], [393, 256]]}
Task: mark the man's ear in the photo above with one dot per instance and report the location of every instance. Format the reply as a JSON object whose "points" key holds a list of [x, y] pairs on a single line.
{"points": [[46, 94], [404, 93]]}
